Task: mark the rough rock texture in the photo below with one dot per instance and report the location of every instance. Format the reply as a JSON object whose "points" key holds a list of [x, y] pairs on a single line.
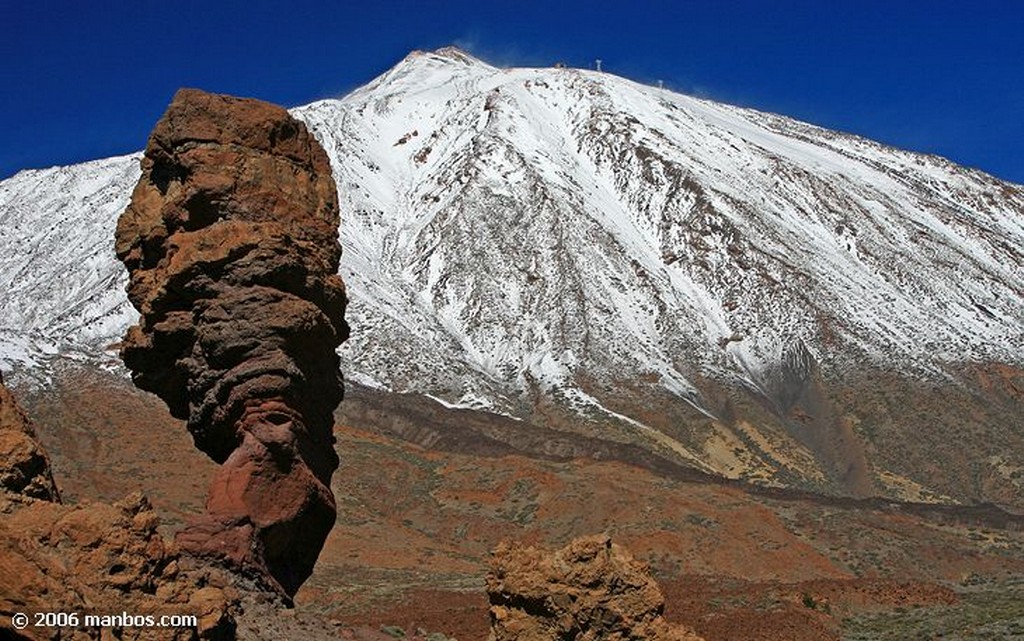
{"points": [[231, 245], [24, 466], [102, 559], [591, 589], [93, 558]]}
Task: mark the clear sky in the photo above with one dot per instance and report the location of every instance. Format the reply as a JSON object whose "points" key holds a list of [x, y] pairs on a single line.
{"points": [[87, 79]]}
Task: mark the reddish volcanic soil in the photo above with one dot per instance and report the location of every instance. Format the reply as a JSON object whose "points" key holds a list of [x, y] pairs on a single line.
{"points": [[733, 610], [416, 526], [107, 439]]}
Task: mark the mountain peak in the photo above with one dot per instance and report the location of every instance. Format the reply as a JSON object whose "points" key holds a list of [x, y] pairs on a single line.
{"points": [[446, 55], [454, 53], [420, 69]]}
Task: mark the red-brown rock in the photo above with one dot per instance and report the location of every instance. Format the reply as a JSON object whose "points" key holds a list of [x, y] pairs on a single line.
{"points": [[590, 590], [24, 466], [231, 245], [103, 560], [92, 558]]}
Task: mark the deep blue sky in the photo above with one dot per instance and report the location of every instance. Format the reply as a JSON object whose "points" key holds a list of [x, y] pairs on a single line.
{"points": [[84, 79]]}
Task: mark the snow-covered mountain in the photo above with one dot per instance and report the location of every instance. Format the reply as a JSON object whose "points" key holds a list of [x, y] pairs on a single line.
{"points": [[559, 243]]}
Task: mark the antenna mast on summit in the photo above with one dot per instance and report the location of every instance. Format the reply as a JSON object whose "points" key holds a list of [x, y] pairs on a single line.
{"points": [[598, 63]]}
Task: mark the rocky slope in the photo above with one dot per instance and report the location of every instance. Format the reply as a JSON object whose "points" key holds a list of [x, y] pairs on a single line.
{"points": [[731, 290]]}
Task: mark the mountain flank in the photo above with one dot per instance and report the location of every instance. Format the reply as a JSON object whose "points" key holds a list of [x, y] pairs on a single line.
{"points": [[737, 292]]}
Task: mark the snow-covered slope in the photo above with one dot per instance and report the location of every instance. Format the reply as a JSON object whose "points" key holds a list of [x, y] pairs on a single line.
{"points": [[61, 289], [515, 235], [524, 224]]}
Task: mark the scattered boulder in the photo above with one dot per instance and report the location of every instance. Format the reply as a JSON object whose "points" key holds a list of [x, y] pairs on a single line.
{"points": [[591, 589], [231, 244]]}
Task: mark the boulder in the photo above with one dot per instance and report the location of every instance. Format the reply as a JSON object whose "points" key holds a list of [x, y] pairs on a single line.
{"points": [[590, 590], [92, 558], [105, 561]]}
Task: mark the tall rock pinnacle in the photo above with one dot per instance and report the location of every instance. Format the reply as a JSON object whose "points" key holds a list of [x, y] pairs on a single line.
{"points": [[231, 244]]}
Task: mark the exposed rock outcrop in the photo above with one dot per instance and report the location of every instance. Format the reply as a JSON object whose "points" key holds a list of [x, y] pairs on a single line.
{"points": [[591, 589], [24, 466], [92, 558], [231, 245], [106, 561]]}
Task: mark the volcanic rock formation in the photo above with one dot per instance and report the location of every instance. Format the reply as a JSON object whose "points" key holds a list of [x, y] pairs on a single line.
{"points": [[24, 466], [91, 558], [231, 244], [591, 589], [104, 560]]}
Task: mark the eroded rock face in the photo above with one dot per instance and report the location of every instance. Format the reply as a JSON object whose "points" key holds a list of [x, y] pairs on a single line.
{"points": [[102, 559], [93, 558], [24, 466], [231, 245], [591, 589]]}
